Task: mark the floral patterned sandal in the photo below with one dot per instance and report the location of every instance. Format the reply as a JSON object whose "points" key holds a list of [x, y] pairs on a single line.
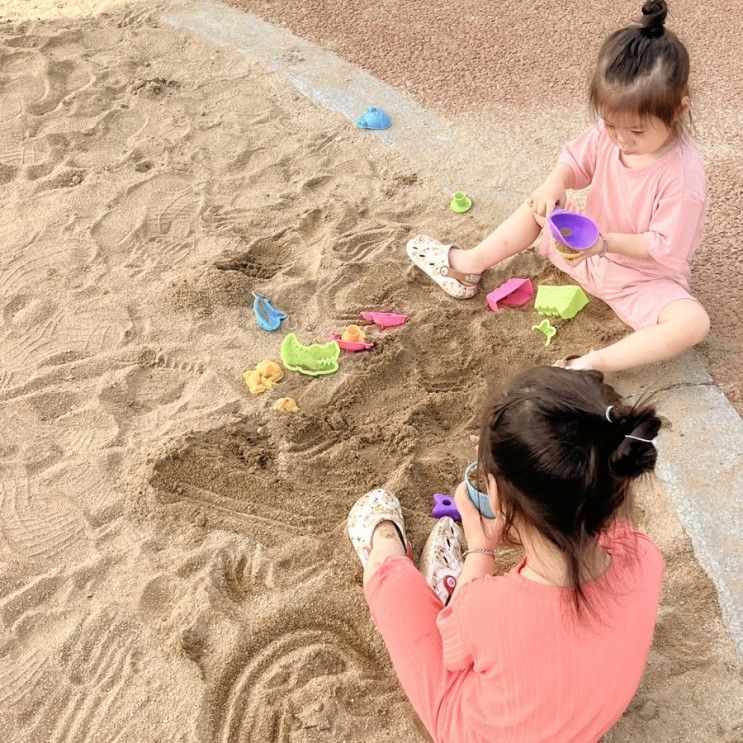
{"points": [[432, 257], [368, 511], [441, 560]]}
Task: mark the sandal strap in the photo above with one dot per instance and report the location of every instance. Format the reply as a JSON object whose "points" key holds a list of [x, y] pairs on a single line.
{"points": [[468, 279]]}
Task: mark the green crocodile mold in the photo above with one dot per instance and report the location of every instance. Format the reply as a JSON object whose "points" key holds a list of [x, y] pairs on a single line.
{"points": [[314, 360]]}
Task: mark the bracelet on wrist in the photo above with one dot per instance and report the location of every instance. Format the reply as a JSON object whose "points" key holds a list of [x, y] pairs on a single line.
{"points": [[479, 551], [604, 245]]}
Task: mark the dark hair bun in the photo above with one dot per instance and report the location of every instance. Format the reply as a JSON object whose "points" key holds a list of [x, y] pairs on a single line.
{"points": [[654, 14], [633, 458]]}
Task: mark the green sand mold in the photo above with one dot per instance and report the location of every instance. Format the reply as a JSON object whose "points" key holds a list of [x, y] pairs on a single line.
{"points": [[547, 329], [565, 301], [460, 203], [314, 360]]}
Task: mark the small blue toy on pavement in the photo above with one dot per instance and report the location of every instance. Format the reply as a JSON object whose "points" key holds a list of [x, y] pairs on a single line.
{"points": [[374, 118], [267, 316]]}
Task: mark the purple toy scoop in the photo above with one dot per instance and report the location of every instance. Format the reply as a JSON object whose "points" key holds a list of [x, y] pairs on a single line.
{"points": [[574, 230]]}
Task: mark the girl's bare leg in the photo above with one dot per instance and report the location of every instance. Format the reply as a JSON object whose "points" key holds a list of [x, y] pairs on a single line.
{"points": [[510, 237], [681, 325]]}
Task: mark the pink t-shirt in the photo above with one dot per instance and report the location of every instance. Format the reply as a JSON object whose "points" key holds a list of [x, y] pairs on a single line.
{"points": [[664, 201], [532, 671]]}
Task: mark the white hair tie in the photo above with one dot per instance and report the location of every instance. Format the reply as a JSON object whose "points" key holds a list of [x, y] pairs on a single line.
{"points": [[637, 438], [607, 415]]}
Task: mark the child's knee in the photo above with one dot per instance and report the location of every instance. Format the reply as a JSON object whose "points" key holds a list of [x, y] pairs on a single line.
{"points": [[688, 318]]}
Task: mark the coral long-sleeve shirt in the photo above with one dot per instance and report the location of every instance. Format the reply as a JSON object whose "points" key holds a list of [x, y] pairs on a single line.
{"points": [[531, 671]]}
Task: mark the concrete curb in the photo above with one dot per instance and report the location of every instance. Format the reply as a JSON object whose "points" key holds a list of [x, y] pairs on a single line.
{"points": [[701, 462]]}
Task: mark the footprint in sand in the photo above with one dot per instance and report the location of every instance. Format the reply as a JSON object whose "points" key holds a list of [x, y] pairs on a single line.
{"points": [[37, 523], [44, 336], [155, 215]]}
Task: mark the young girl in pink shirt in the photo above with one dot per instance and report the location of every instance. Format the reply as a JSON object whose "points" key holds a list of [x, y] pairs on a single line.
{"points": [[554, 650], [647, 195]]}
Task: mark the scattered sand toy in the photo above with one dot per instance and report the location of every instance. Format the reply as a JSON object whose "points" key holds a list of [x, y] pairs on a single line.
{"points": [[385, 319], [480, 499], [264, 377], [443, 505], [314, 360], [353, 339], [513, 293], [266, 315], [460, 203], [572, 232], [286, 405], [547, 329], [563, 301], [374, 118]]}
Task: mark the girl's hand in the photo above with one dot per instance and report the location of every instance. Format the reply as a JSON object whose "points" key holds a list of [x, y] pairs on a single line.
{"points": [[596, 249], [544, 200], [481, 533]]}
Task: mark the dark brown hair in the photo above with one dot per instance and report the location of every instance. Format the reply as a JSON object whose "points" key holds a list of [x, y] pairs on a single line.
{"points": [[644, 70], [563, 464]]}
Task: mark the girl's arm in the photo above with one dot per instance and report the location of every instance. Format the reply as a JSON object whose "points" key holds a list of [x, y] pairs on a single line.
{"points": [[633, 246], [552, 192], [479, 535], [561, 175], [475, 566]]}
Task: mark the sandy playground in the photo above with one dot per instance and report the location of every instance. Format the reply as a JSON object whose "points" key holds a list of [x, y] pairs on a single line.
{"points": [[173, 558]]}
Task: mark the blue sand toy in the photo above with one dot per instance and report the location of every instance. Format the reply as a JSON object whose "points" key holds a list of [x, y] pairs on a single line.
{"points": [[480, 499], [374, 118], [267, 317]]}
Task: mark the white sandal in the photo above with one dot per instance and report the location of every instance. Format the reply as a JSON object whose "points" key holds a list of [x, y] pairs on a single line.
{"points": [[368, 511], [441, 560], [432, 257]]}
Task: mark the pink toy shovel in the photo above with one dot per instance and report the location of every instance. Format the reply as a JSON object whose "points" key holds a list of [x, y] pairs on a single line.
{"points": [[513, 293]]}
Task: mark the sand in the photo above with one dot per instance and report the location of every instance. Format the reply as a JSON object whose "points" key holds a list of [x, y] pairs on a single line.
{"points": [[173, 558]]}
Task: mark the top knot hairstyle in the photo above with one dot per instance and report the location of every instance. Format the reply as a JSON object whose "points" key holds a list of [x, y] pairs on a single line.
{"points": [[653, 18], [557, 443], [643, 70]]}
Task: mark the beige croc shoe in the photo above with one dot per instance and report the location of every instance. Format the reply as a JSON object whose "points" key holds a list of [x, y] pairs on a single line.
{"points": [[441, 561], [432, 257], [377, 505]]}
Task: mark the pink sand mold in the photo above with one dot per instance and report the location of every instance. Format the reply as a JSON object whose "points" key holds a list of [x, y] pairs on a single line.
{"points": [[351, 346], [385, 319], [574, 230], [513, 293], [443, 505]]}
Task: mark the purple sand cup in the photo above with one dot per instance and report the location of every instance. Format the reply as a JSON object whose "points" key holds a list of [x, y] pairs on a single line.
{"points": [[574, 230]]}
